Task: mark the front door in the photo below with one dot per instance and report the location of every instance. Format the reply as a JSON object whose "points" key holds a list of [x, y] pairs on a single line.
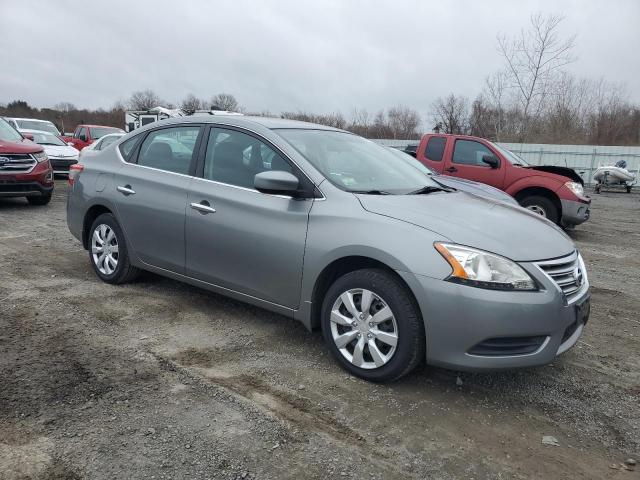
{"points": [[237, 237], [466, 162], [152, 193]]}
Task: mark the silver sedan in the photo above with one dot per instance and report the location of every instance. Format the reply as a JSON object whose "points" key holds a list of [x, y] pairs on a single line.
{"points": [[337, 232]]}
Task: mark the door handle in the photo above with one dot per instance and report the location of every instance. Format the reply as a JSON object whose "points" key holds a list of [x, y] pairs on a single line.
{"points": [[203, 207], [126, 190], [451, 169]]}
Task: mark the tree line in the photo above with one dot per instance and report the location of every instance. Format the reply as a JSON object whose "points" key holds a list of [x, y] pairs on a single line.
{"points": [[396, 122]]}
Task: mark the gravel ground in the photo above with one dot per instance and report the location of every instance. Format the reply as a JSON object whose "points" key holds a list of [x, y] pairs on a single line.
{"points": [[161, 380]]}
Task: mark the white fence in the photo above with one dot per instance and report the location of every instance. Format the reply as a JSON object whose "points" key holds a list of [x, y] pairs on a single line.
{"points": [[584, 159]]}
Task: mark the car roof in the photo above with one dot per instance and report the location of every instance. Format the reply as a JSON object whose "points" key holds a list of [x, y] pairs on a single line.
{"points": [[30, 119], [99, 126], [248, 121]]}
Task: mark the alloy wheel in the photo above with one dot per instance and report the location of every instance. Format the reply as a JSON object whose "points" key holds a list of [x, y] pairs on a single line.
{"points": [[104, 249], [364, 328]]}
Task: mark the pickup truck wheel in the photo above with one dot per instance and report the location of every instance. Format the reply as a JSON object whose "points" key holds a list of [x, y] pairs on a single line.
{"points": [[108, 251], [373, 325], [542, 206], [41, 200]]}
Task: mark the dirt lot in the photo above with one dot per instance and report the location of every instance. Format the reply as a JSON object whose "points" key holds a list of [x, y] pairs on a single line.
{"points": [[162, 380]]}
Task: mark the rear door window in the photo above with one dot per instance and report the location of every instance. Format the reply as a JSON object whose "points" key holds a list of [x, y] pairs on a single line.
{"points": [[169, 149], [435, 148]]}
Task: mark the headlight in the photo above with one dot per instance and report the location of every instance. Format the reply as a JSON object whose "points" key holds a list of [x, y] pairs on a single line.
{"points": [[575, 187], [40, 157], [485, 270]]}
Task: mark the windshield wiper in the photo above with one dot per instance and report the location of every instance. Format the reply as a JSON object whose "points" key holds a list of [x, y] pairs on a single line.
{"points": [[371, 192], [430, 189]]}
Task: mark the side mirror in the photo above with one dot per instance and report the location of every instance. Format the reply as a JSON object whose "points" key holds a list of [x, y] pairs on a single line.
{"points": [[83, 138], [28, 136], [491, 160], [276, 182]]}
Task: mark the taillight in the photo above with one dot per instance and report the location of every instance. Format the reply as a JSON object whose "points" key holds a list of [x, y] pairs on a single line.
{"points": [[74, 171]]}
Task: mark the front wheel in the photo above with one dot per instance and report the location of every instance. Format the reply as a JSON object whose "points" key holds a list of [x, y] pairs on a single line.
{"points": [[373, 325], [543, 206], [108, 251]]}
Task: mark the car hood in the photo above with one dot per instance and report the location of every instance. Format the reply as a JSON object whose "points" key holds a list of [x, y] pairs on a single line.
{"points": [[569, 173], [22, 146], [477, 188], [477, 222], [60, 151]]}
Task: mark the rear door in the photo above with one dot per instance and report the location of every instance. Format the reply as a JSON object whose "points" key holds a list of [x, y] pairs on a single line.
{"points": [[237, 237], [466, 161], [433, 153], [152, 191]]}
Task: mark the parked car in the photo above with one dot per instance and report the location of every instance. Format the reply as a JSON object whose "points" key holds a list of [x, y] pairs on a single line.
{"points": [[556, 193], [33, 124], [61, 156], [87, 134], [469, 186], [339, 233], [100, 144], [25, 170]]}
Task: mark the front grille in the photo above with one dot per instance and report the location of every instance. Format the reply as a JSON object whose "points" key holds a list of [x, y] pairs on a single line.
{"points": [[508, 346], [567, 273], [16, 163]]}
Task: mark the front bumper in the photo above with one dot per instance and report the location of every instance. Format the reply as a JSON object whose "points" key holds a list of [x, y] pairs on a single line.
{"points": [[574, 213], [61, 165], [460, 319], [24, 189], [37, 182]]}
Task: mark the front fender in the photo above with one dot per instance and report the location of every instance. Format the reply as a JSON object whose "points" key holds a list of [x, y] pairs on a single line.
{"points": [[535, 181]]}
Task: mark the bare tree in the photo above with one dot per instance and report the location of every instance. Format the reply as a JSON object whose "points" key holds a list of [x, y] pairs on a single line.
{"points": [[191, 103], [534, 60], [404, 122], [225, 101], [144, 100], [452, 113]]}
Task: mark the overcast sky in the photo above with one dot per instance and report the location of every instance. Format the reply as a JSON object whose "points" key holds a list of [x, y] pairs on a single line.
{"points": [[290, 55]]}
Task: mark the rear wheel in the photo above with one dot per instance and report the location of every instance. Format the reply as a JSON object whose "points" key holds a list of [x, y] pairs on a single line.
{"points": [[41, 200], [373, 325], [542, 206], [628, 188], [108, 251]]}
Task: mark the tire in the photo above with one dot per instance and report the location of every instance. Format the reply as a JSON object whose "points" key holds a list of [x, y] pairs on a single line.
{"points": [[41, 200], [628, 188], [542, 206], [118, 268], [390, 362]]}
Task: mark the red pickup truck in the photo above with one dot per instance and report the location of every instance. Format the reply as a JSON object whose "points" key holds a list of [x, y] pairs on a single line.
{"points": [[556, 193], [87, 134]]}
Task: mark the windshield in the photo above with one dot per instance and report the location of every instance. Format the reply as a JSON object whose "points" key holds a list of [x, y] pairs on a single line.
{"points": [[99, 132], [513, 158], [355, 164], [405, 157], [8, 133], [43, 138], [38, 125]]}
